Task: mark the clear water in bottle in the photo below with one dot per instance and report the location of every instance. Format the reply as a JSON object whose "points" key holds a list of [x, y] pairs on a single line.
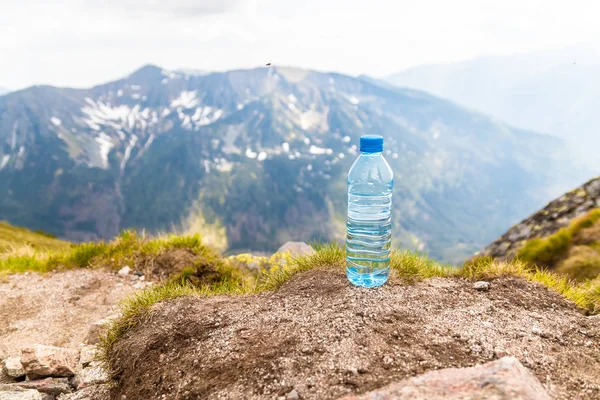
{"points": [[369, 227]]}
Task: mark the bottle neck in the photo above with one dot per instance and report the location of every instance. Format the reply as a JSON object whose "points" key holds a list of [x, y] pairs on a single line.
{"points": [[371, 154]]}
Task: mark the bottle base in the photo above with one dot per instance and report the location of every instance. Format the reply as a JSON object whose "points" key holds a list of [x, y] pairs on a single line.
{"points": [[367, 280]]}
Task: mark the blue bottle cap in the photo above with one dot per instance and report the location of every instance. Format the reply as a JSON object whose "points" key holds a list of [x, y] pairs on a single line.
{"points": [[371, 144]]}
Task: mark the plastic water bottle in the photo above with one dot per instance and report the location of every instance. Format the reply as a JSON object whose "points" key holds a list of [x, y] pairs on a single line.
{"points": [[368, 241]]}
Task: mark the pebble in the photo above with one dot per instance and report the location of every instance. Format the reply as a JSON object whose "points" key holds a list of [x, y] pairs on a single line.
{"points": [[500, 352], [482, 286], [535, 315], [537, 331], [124, 271], [476, 349], [293, 395]]}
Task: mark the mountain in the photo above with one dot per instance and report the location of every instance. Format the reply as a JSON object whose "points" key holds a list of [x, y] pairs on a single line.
{"points": [[557, 214], [259, 157], [555, 92], [3, 91]]}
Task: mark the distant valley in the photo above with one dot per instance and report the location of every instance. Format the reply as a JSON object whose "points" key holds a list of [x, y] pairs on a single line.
{"points": [[255, 158], [554, 91]]}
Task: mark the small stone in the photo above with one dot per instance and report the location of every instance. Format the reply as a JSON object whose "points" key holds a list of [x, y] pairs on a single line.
{"points": [[41, 361], [293, 395], [476, 349], [97, 329], [487, 324], [96, 392], [500, 352], [537, 331], [139, 285], [87, 355], [93, 375], [50, 386], [296, 249], [124, 271], [482, 286], [387, 360], [535, 315], [24, 395], [14, 368]]}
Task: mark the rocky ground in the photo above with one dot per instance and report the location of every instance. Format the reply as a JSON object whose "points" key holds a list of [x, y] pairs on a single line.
{"points": [[316, 337], [319, 338], [57, 308]]}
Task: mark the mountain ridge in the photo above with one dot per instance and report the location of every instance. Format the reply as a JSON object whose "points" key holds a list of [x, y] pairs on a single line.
{"points": [[549, 91], [257, 156]]}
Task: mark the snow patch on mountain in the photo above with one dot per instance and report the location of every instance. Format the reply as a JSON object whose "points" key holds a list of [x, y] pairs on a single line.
{"points": [[202, 116], [4, 161], [186, 99], [13, 141], [55, 121], [149, 141], [99, 115], [250, 153], [132, 141], [106, 144], [354, 100], [312, 119], [319, 150]]}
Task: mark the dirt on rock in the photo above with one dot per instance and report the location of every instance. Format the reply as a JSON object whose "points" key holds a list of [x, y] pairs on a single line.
{"points": [[56, 308], [322, 338]]}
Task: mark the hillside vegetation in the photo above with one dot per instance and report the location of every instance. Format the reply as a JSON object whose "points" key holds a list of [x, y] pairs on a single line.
{"points": [[187, 266], [12, 238], [573, 250]]}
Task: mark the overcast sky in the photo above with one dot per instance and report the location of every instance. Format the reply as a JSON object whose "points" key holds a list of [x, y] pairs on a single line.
{"points": [[85, 42]]}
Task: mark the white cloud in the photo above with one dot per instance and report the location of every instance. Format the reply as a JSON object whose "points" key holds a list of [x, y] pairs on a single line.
{"points": [[75, 43]]}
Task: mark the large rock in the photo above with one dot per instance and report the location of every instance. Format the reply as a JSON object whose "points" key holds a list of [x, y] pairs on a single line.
{"points": [[296, 249], [98, 392], [93, 375], [41, 361], [13, 367], [504, 379], [51, 386], [24, 395], [97, 329], [87, 355]]}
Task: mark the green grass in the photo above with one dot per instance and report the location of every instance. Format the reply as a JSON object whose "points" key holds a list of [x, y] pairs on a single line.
{"points": [[13, 238], [573, 251], [126, 249], [549, 251]]}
